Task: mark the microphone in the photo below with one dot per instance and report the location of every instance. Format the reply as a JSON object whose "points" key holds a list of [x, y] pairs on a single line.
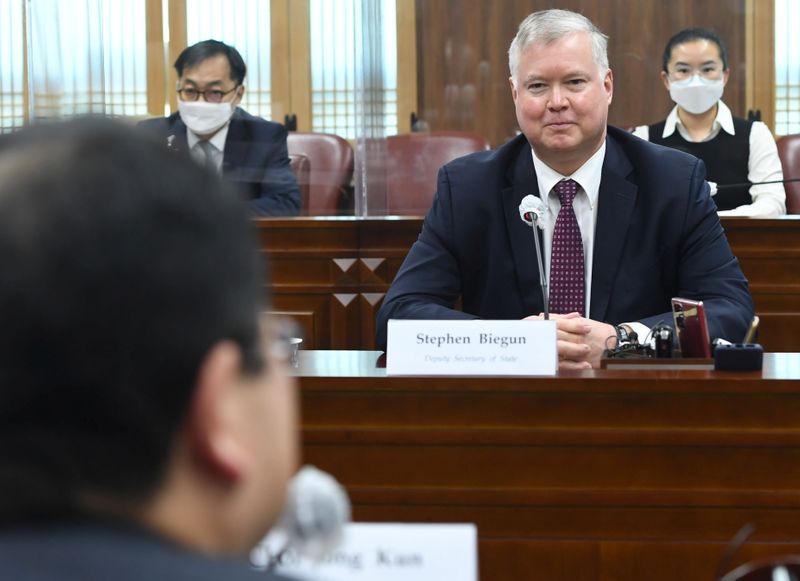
{"points": [[715, 187], [532, 211], [313, 519]]}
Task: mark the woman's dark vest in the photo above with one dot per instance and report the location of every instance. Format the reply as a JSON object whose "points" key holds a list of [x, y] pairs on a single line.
{"points": [[726, 158]]}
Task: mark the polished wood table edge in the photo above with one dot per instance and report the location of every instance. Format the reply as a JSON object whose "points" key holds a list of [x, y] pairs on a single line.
{"points": [[780, 374], [754, 220], [268, 222], [740, 220], [609, 382], [577, 496]]}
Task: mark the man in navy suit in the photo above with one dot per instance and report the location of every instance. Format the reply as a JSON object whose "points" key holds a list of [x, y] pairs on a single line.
{"points": [[648, 227], [147, 412], [247, 150]]}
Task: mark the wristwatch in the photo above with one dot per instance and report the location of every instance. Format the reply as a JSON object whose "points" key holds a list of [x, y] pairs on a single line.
{"points": [[624, 333]]}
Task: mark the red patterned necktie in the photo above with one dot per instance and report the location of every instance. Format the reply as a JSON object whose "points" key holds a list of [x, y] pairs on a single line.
{"points": [[566, 260]]}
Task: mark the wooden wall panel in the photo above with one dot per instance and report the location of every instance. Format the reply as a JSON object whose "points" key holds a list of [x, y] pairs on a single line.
{"points": [[344, 329], [770, 258], [369, 303], [462, 62], [330, 274], [312, 313], [336, 271]]}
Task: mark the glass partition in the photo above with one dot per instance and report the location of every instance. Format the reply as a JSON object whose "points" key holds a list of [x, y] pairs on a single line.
{"points": [[84, 56], [246, 25], [787, 67], [13, 94], [367, 70]]}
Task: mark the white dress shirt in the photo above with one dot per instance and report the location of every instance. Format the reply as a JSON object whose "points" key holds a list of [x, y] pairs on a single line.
{"points": [[763, 165]]}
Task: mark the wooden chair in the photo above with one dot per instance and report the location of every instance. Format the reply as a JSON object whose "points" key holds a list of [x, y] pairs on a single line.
{"points": [[413, 162], [330, 170]]}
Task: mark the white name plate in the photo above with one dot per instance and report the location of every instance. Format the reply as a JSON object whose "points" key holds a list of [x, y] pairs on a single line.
{"points": [[385, 552], [477, 347]]}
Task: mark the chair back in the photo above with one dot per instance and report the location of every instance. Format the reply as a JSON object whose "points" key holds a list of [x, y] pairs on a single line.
{"points": [[789, 153], [301, 166], [330, 170], [781, 568], [413, 162]]}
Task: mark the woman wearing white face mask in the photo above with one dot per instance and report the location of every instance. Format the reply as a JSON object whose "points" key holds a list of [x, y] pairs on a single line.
{"points": [[735, 151]]}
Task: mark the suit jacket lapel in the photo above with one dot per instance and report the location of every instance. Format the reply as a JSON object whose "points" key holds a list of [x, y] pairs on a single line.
{"points": [[176, 137], [522, 179], [616, 200], [236, 144]]}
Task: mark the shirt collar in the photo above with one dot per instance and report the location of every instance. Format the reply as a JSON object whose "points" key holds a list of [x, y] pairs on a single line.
{"points": [[588, 175], [723, 120]]}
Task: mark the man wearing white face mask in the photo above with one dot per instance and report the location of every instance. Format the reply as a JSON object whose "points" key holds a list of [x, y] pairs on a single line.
{"points": [[735, 151], [246, 150]]}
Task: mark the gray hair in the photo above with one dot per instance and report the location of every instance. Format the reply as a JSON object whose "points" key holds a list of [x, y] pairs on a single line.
{"points": [[547, 26]]}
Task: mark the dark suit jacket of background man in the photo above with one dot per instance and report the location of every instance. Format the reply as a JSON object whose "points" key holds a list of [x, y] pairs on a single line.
{"points": [[657, 236], [255, 159], [106, 551]]}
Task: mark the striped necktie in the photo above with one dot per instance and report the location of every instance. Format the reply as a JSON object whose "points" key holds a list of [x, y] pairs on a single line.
{"points": [[209, 155]]}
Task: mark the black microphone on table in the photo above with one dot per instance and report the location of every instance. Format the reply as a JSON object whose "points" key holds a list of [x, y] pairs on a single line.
{"points": [[531, 210], [748, 184], [316, 510]]}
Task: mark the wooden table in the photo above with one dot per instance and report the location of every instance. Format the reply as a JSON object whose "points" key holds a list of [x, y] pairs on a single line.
{"points": [[595, 475], [331, 274]]}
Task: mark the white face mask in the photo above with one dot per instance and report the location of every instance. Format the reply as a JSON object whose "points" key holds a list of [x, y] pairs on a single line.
{"points": [[696, 95], [203, 118]]}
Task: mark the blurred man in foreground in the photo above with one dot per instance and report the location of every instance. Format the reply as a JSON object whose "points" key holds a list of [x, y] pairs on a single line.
{"points": [[148, 420]]}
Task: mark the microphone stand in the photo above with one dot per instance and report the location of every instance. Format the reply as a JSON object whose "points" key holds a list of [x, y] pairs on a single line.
{"points": [[736, 542], [742, 184], [542, 277]]}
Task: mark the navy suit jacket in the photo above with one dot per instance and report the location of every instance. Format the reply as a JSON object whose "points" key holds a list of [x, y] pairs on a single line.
{"points": [[657, 236], [255, 159], [95, 551]]}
